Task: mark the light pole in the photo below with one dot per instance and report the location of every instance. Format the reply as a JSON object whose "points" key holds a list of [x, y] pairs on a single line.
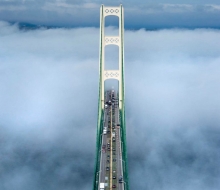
{"points": [[125, 185], [101, 138], [97, 173], [121, 145], [123, 162]]}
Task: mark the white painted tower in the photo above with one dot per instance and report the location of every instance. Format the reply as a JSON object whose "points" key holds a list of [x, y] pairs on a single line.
{"points": [[112, 40]]}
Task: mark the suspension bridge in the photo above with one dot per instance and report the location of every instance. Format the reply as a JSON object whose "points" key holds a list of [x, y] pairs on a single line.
{"points": [[111, 151]]}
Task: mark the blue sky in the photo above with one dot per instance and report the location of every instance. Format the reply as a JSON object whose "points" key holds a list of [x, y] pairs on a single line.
{"points": [[138, 14]]}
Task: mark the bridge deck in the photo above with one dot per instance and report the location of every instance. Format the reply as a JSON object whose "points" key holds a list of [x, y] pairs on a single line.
{"points": [[110, 174]]}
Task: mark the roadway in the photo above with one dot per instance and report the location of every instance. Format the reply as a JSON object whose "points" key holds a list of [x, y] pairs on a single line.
{"points": [[111, 163]]}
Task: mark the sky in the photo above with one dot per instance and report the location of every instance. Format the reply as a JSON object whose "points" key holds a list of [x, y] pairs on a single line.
{"points": [[49, 93], [150, 14]]}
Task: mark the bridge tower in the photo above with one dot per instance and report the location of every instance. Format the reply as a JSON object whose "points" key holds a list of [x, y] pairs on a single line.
{"points": [[111, 74], [112, 40]]}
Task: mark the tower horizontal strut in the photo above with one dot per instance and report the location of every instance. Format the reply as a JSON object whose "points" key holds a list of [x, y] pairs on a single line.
{"points": [[111, 74]]}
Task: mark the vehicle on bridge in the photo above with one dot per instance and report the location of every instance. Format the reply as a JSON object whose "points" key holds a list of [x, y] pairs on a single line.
{"points": [[120, 180]]}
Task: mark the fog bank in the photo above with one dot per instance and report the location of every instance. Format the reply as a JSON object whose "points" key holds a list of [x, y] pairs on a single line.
{"points": [[48, 108]]}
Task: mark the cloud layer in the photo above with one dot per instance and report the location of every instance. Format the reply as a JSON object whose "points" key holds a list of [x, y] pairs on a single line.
{"points": [[48, 108], [173, 109]]}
